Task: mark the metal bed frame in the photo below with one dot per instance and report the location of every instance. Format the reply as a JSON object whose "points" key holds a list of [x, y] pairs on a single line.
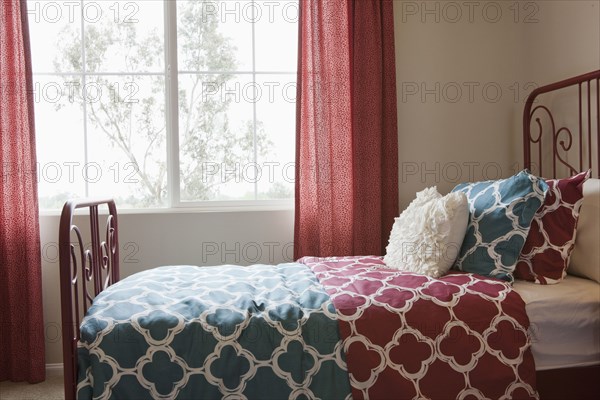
{"points": [[98, 265]]}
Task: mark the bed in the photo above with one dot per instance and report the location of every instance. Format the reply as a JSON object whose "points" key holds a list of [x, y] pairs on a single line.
{"points": [[339, 327]]}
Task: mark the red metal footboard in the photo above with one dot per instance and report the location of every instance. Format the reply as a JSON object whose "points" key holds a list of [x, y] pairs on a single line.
{"points": [[575, 147], [85, 270]]}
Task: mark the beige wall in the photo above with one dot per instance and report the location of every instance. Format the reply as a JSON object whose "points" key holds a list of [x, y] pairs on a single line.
{"points": [[496, 52], [565, 42], [445, 136]]}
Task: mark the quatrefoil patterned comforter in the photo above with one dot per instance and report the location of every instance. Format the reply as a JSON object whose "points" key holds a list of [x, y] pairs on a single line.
{"points": [[409, 336], [260, 332], [326, 328]]}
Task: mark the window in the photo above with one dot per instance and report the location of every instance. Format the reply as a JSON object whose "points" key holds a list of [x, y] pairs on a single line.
{"points": [[174, 103]]}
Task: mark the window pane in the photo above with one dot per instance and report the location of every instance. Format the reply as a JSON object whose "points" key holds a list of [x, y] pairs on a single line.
{"points": [[216, 136], [276, 127], [49, 21], [59, 140], [214, 35], [100, 107], [127, 139], [277, 35], [124, 36]]}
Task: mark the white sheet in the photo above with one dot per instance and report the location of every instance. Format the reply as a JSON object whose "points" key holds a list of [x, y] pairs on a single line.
{"points": [[565, 322]]}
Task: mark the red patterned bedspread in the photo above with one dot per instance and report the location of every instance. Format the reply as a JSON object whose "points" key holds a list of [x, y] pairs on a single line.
{"points": [[411, 336]]}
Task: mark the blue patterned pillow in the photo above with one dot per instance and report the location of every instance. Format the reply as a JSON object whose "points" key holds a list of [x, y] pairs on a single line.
{"points": [[500, 214]]}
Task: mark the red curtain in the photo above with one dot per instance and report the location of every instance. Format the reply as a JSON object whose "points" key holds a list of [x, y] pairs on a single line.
{"points": [[21, 320], [346, 135]]}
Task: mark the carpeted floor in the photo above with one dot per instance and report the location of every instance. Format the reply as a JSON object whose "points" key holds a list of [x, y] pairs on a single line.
{"points": [[51, 389]]}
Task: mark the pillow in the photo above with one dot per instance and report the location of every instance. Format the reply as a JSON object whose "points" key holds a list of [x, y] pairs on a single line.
{"points": [[585, 260], [545, 256], [500, 216], [427, 236]]}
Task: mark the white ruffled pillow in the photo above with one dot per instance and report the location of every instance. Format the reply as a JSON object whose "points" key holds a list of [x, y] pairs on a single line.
{"points": [[427, 236]]}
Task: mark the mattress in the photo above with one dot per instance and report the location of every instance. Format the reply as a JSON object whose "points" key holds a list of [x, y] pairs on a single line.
{"points": [[565, 322]]}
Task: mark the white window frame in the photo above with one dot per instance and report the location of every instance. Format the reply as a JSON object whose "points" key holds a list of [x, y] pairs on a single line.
{"points": [[171, 76], [172, 128]]}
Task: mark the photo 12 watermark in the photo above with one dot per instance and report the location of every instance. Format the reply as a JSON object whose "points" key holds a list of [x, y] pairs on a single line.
{"points": [[128, 252], [88, 172], [251, 92], [453, 12], [250, 11], [105, 92], [251, 172], [464, 92], [455, 172], [247, 252], [54, 12]]}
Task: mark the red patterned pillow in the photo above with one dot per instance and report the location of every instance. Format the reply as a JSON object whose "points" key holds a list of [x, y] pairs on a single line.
{"points": [[545, 256]]}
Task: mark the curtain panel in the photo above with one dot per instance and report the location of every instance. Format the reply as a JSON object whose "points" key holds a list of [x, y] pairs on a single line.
{"points": [[346, 134], [21, 317]]}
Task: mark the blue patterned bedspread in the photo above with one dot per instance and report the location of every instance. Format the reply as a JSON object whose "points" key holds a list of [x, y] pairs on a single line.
{"points": [[259, 332]]}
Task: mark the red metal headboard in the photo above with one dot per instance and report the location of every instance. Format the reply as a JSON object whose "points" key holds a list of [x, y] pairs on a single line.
{"points": [[562, 138], [98, 266]]}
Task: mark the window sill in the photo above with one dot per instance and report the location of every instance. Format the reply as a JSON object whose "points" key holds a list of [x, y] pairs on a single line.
{"points": [[195, 209]]}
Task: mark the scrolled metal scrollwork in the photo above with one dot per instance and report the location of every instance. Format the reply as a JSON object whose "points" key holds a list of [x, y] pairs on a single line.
{"points": [[572, 148], [108, 249], [74, 264], [540, 129], [560, 148], [565, 148], [84, 262], [87, 266]]}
